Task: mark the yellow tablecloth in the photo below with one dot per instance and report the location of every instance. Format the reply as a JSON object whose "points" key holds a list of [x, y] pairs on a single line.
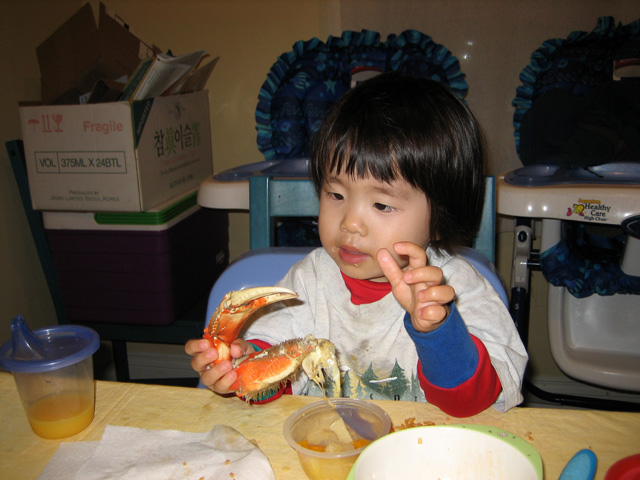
{"points": [[556, 433]]}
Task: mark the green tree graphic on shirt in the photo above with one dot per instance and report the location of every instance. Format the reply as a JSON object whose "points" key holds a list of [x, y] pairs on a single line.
{"points": [[346, 385], [399, 385], [369, 379]]}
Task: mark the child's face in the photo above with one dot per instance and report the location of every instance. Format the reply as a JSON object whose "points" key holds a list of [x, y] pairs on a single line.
{"points": [[358, 217]]}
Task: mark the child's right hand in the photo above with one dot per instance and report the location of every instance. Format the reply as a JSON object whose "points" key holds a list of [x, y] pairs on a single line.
{"points": [[419, 287], [220, 377]]}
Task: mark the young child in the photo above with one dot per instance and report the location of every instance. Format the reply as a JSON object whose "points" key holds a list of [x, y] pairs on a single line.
{"points": [[398, 167]]}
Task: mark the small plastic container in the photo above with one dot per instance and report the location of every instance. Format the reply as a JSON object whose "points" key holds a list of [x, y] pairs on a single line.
{"points": [[313, 425], [53, 371]]}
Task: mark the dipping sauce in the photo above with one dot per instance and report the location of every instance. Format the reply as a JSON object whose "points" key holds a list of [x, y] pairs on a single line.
{"points": [[61, 415]]}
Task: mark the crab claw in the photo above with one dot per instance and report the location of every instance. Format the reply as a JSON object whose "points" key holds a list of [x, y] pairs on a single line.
{"points": [[235, 309], [265, 371]]}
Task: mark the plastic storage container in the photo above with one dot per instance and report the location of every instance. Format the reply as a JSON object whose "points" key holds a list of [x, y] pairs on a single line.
{"points": [[137, 268]]}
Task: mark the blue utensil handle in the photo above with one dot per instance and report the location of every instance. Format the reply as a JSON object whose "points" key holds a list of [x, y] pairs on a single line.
{"points": [[582, 466]]}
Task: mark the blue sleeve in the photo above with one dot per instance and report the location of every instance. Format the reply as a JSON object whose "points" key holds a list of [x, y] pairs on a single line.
{"points": [[447, 354]]}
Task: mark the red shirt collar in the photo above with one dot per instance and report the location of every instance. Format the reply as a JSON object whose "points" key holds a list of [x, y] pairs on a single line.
{"points": [[365, 291]]}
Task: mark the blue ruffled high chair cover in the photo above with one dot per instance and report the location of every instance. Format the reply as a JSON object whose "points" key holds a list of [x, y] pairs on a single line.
{"points": [[587, 262], [305, 82], [571, 114], [569, 111]]}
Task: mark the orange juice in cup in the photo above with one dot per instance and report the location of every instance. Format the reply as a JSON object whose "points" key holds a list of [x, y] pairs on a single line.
{"points": [[61, 415], [53, 371]]}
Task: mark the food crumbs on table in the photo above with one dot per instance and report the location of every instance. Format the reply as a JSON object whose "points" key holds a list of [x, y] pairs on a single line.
{"points": [[411, 422], [227, 461], [232, 475], [184, 464], [529, 436], [419, 440]]}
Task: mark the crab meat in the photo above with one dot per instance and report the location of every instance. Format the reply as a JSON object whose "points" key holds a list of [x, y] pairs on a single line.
{"points": [[265, 371]]}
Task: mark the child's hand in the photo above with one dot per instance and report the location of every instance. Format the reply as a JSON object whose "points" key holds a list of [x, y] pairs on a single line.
{"points": [[217, 378], [419, 287]]}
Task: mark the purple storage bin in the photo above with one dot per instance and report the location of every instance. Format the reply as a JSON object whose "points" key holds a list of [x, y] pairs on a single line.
{"points": [[137, 276]]}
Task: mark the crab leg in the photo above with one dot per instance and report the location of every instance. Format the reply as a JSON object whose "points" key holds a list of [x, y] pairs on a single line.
{"points": [[234, 310], [266, 370]]}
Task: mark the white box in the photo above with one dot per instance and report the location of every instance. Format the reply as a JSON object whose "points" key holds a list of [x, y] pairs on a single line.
{"points": [[118, 156]]}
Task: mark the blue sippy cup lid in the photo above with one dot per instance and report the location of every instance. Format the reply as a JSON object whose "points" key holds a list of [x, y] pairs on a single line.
{"points": [[47, 348]]}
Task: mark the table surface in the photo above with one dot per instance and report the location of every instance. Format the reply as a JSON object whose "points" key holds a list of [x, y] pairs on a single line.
{"points": [[556, 433]]}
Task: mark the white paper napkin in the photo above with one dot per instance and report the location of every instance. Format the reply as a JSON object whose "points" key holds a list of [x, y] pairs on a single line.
{"points": [[129, 453]]}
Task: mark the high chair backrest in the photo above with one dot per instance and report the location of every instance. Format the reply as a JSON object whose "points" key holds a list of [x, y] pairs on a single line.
{"points": [[272, 197], [255, 268]]}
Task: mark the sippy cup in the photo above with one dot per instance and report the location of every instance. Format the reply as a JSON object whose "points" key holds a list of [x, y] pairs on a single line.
{"points": [[53, 371]]}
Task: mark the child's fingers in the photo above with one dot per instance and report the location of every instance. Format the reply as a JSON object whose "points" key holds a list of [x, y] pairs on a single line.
{"points": [[415, 253], [219, 377], [197, 345], [240, 347], [215, 377], [427, 275], [440, 294], [432, 316], [202, 360], [390, 268]]}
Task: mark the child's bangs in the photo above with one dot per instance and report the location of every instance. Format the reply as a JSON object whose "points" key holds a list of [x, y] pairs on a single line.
{"points": [[363, 160]]}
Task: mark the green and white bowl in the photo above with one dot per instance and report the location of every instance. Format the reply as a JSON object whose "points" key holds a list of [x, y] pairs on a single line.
{"points": [[448, 452]]}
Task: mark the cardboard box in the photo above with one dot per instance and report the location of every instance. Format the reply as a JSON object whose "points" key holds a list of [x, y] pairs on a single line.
{"points": [[118, 156], [79, 54]]}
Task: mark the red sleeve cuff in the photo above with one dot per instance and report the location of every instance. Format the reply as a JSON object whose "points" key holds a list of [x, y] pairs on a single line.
{"points": [[261, 344], [470, 397]]}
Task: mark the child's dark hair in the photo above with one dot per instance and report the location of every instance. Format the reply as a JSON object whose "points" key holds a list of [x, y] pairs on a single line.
{"points": [[399, 127]]}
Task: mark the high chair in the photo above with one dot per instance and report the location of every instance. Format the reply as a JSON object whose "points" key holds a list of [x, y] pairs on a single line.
{"points": [[273, 197], [594, 335]]}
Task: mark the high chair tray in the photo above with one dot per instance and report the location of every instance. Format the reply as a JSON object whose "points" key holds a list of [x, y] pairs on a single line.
{"points": [[605, 203], [623, 173]]}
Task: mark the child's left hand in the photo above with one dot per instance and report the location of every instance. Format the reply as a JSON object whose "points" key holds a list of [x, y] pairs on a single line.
{"points": [[418, 288]]}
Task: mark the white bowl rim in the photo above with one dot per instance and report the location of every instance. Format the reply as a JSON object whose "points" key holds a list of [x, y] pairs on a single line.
{"points": [[524, 447]]}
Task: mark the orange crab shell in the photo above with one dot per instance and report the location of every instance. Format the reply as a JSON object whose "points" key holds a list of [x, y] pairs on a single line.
{"points": [[234, 310], [263, 371]]}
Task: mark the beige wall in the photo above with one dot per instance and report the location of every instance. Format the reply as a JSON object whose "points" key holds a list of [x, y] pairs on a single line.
{"points": [[492, 38], [248, 35]]}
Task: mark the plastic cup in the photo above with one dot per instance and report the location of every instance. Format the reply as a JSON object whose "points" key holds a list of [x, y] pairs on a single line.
{"points": [[315, 421], [53, 371]]}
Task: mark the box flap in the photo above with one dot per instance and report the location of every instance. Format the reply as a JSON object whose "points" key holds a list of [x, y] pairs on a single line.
{"points": [[119, 47], [63, 58], [79, 54]]}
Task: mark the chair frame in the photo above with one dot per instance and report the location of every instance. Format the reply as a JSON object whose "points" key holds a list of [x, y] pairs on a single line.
{"points": [[272, 197], [519, 308]]}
